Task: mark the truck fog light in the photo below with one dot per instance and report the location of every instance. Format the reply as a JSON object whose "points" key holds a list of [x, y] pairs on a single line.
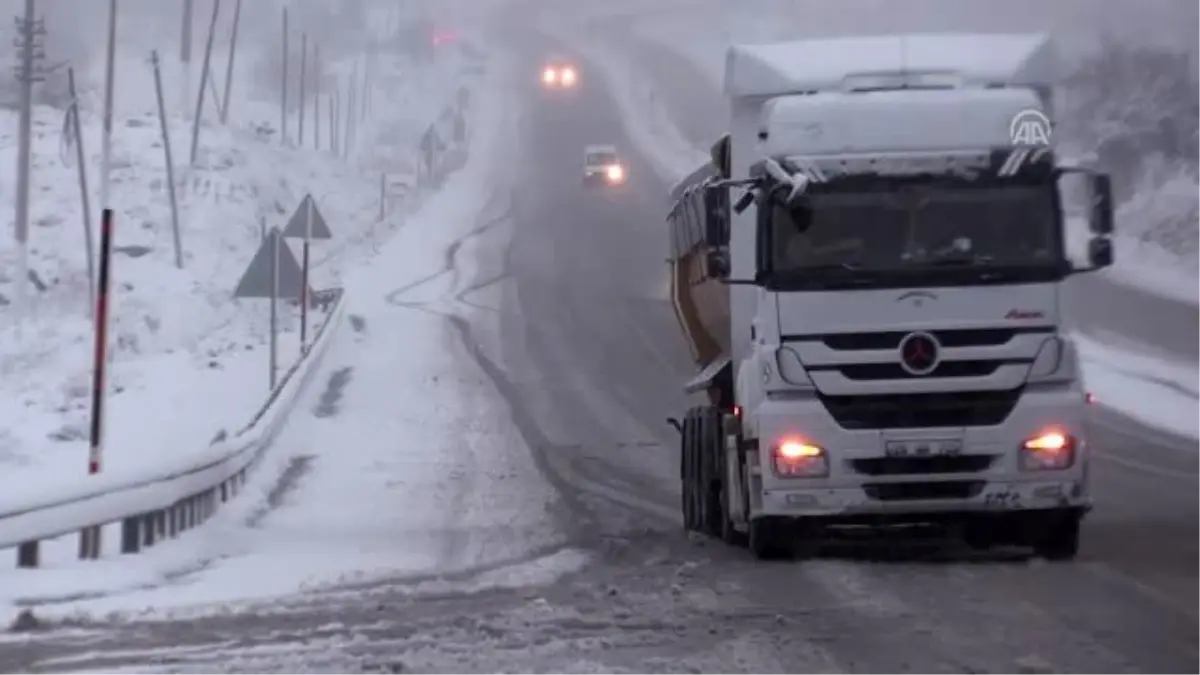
{"points": [[1048, 451], [796, 459]]}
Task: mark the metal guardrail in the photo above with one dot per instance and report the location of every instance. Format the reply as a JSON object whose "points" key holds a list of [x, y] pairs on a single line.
{"points": [[149, 507]]}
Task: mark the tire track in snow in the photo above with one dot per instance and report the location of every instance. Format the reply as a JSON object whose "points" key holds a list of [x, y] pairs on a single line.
{"points": [[566, 477]]}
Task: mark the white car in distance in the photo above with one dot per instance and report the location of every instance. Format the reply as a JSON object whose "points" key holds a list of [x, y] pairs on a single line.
{"points": [[602, 165]]}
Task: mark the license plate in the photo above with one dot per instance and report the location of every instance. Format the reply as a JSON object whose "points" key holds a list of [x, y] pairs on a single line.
{"points": [[927, 448]]}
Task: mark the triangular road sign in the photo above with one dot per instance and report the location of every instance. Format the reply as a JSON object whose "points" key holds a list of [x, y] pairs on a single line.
{"points": [[256, 280], [296, 225]]}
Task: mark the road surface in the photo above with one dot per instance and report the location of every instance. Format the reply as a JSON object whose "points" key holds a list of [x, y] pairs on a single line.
{"points": [[583, 348]]}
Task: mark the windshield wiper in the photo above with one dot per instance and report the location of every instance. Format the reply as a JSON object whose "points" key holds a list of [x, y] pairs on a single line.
{"points": [[826, 275], [961, 261], [984, 267]]}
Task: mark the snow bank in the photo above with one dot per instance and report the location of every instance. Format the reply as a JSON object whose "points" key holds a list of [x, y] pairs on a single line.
{"points": [[1148, 387], [188, 361]]}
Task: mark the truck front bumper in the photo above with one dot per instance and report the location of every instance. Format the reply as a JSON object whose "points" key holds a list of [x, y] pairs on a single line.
{"points": [[852, 491], [856, 503]]}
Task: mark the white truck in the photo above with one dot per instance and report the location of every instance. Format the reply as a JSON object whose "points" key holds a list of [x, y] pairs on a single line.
{"points": [[869, 274]]}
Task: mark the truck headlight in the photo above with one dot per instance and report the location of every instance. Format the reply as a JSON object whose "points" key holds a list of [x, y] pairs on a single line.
{"points": [[1051, 450], [794, 458]]}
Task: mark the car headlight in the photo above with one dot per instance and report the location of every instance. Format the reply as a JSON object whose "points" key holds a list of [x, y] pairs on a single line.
{"points": [[615, 173], [569, 76], [549, 76], [794, 458], [1051, 450]]}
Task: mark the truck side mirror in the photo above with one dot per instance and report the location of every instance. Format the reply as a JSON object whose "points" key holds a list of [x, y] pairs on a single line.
{"points": [[716, 264], [797, 206], [1100, 215], [716, 230], [1100, 253], [720, 156], [800, 211]]}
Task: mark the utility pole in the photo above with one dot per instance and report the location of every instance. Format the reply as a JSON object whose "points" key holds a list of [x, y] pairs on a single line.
{"points": [[303, 77], [30, 34], [237, 16], [204, 75], [283, 116], [317, 97], [185, 56]]}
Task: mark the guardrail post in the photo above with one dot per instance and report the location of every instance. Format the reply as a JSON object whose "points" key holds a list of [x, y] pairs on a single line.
{"points": [[130, 535], [149, 529], [89, 543], [27, 555]]}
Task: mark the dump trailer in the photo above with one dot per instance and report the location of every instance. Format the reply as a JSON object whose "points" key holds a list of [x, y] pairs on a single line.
{"points": [[869, 275]]}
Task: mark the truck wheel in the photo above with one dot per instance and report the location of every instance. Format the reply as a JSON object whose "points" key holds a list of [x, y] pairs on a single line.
{"points": [[1058, 538], [710, 448], [769, 538]]}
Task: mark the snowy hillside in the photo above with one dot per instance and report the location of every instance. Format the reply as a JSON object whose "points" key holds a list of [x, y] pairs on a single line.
{"points": [[188, 360]]}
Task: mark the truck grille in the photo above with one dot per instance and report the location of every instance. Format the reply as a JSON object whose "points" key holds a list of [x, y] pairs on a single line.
{"points": [[967, 337], [897, 492], [893, 371], [903, 466], [909, 411]]}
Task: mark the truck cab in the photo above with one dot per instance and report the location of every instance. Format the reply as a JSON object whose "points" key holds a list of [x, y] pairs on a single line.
{"points": [[887, 214]]}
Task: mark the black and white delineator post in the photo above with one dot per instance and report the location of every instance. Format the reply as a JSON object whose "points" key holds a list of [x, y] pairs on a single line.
{"points": [[89, 541], [100, 358]]}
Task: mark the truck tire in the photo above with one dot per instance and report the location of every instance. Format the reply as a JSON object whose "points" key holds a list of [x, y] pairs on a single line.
{"points": [[768, 538], [1058, 537], [710, 447]]}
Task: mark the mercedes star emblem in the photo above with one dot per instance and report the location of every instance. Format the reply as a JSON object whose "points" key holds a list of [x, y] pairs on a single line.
{"points": [[920, 353]]}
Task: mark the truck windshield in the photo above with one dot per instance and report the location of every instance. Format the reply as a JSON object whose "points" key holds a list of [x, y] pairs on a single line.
{"points": [[601, 158], [942, 235]]}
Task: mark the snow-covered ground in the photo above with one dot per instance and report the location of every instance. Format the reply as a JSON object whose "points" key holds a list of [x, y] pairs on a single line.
{"points": [[400, 462], [188, 361]]}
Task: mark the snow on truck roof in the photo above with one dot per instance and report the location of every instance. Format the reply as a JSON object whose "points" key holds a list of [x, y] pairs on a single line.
{"points": [[830, 123], [978, 59]]}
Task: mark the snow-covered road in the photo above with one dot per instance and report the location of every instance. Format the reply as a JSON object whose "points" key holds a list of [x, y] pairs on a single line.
{"points": [[484, 481]]}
